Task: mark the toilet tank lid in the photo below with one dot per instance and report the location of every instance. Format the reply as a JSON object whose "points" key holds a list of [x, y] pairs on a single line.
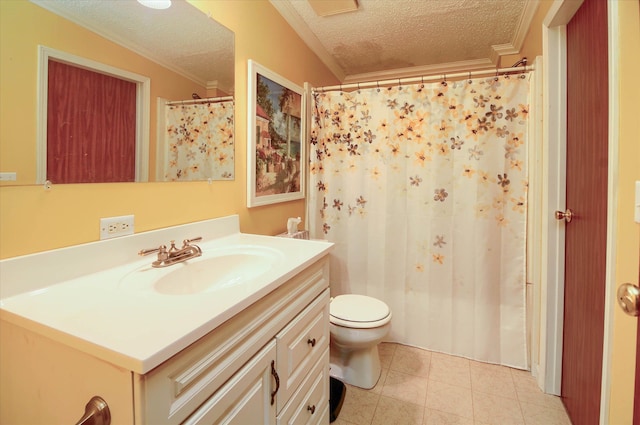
{"points": [[358, 308]]}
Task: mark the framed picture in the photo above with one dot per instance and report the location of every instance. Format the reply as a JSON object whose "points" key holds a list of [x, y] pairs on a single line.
{"points": [[275, 138]]}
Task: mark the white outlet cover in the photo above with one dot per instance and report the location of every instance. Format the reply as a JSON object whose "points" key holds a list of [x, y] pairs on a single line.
{"points": [[113, 227], [7, 177]]}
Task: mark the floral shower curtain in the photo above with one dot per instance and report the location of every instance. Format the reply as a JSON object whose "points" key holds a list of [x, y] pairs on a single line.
{"points": [[200, 141], [423, 189]]}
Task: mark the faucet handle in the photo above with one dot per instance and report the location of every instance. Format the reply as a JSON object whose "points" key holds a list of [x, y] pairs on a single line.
{"points": [[187, 242], [162, 249], [173, 248]]}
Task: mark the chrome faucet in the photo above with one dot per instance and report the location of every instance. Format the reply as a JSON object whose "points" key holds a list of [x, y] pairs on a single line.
{"points": [[173, 255]]}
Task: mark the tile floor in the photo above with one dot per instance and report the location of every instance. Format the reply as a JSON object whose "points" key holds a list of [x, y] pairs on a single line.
{"points": [[425, 388]]}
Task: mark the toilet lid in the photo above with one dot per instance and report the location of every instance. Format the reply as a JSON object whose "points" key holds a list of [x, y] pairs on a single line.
{"points": [[358, 308]]}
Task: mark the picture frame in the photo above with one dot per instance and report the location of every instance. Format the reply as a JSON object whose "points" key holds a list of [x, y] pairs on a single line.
{"points": [[276, 130]]}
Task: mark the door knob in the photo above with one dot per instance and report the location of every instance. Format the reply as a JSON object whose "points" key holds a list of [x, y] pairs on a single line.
{"points": [[629, 298], [564, 215]]}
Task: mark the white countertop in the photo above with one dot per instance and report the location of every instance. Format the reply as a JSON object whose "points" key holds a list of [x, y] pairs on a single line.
{"points": [[136, 328]]}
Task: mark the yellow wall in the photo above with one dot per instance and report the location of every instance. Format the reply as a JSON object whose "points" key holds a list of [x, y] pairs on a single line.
{"points": [[627, 244], [33, 220]]}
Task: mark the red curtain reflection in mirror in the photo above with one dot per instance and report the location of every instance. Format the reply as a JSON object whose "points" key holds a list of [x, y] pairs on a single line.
{"points": [[91, 126]]}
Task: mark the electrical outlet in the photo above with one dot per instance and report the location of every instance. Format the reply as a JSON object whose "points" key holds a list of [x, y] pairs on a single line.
{"points": [[7, 177], [112, 227]]}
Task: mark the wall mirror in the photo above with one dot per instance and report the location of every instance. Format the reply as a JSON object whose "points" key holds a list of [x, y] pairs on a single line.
{"points": [[184, 111]]}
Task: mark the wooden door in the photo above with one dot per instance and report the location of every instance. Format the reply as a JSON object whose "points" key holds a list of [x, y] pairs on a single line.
{"points": [[585, 243]]}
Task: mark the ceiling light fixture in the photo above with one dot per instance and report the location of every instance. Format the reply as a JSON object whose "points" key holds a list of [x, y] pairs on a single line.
{"points": [[156, 4]]}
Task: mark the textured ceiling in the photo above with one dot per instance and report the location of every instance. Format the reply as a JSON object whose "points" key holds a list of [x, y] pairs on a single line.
{"points": [[181, 38], [402, 37], [382, 39]]}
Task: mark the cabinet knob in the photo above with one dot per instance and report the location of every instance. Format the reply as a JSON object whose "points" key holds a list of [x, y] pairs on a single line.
{"points": [[312, 408], [311, 342]]}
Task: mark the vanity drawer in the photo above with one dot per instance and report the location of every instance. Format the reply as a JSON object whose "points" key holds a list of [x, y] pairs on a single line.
{"points": [[300, 344], [175, 389], [310, 403]]}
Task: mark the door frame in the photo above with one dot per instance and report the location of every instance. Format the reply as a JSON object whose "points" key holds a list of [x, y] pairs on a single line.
{"points": [[551, 299]]}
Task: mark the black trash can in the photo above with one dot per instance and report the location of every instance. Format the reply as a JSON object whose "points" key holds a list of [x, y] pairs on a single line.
{"points": [[337, 391]]}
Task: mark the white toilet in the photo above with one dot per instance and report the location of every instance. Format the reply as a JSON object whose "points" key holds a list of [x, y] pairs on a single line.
{"points": [[358, 325]]}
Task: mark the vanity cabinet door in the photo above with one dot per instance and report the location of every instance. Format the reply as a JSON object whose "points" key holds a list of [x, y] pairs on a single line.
{"points": [[300, 344], [246, 397]]}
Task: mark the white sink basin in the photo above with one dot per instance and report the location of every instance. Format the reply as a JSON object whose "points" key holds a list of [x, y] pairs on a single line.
{"points": [[215, 270]]}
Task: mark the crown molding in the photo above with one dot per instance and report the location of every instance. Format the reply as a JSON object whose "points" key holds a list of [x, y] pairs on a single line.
{"points": [[498, 50], [418, 71], [290, 15], [529, 12], [513, 48]]}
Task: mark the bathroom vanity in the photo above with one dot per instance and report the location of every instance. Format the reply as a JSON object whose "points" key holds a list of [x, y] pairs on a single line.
{"points": [[239, 335]]}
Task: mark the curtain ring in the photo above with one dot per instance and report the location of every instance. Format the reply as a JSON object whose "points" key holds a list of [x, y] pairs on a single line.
{"points": [[444, 80], [422, 81], [497, 76], [358, 87], [378, 84], [470, 77], [399, 84]]}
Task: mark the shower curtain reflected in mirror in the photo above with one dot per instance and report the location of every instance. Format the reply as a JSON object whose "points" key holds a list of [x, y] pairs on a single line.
{"points": [[423, 189], [198, 142]]}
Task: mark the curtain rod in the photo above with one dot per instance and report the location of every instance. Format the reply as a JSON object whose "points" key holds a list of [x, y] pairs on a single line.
{"points": [[435, 77], [196, 101]]}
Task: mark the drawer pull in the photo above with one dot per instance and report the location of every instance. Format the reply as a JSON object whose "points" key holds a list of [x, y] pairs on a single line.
{"points": [[311, 342], [275, 375], [312, 409]]}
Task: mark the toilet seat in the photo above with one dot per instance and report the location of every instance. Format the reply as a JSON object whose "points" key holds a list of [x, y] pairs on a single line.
{"points": [[358, 311]]}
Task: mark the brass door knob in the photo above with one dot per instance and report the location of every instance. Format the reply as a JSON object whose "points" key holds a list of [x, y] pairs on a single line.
{"points": [[629, 298], [564, 215]]}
